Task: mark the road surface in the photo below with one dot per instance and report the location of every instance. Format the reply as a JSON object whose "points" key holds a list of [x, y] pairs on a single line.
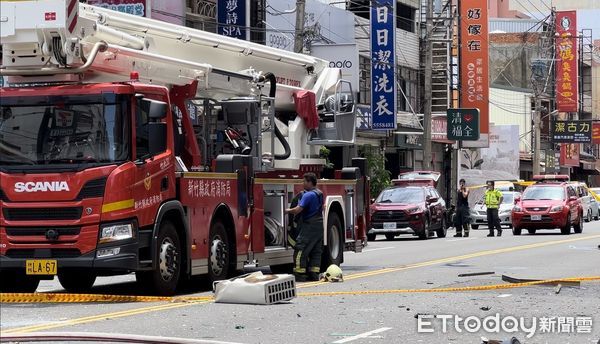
{"points": [[379, 301]]}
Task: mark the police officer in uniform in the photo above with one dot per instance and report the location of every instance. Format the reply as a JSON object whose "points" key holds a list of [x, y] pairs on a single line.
{"points": [[309, 242], [493, 199], [462, 217]]}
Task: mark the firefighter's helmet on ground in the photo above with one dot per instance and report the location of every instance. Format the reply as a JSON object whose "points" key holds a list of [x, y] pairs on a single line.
{"points": [[333, 274]]}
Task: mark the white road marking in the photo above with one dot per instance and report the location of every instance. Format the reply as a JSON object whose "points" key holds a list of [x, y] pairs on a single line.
{"points": [[378, 249], [460, 239], [362, 335], [504, 295]]}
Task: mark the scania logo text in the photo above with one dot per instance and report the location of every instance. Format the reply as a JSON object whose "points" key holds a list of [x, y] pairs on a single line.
{"points": [[41, 186]]}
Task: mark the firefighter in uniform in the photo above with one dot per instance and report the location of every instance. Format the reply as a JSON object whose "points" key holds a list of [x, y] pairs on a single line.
{"points": [[309, 242], [493, 199]]}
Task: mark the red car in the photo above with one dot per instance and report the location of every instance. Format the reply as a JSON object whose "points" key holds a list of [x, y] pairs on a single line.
{"points": [[409, 207], [550, 203]]}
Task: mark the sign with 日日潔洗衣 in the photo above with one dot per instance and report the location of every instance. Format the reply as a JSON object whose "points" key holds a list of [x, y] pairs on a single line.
{"points": [[383, 65]]}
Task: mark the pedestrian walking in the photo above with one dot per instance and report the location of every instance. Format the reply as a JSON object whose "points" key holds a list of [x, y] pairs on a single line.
{"points": [[493, 199], [462, 220], [309, 242]]}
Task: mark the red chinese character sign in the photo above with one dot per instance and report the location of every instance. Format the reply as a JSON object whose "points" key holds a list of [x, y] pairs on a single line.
{"points": [[566, 65], [474, 63]]}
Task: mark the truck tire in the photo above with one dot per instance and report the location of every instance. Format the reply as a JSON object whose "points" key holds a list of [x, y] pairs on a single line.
{"points": [[333, 253], [164, 279], [475, 226], [219, 253], [371, 237], [517, 230], [17, 282], [77, 281], [531, 231], [390, 237]]}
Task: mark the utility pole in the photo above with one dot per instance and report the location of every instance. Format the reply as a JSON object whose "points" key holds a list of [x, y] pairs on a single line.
{"points": [[299, 38], [537, 134], [427, 87]]}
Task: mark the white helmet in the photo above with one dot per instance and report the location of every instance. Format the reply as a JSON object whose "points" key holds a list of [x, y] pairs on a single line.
{"points": [[333, 274]]}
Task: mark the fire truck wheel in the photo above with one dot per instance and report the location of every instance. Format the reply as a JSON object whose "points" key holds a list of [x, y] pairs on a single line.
{"points": [[219, 263], [76, 281], [334, 251], [164, 280], [14, 282]]}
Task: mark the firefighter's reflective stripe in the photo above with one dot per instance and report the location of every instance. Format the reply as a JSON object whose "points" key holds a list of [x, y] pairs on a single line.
{"points": [[298, 268]]}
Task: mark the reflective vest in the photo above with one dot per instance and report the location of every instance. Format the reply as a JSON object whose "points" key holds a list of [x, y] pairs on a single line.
{"points": [[492, 198]]}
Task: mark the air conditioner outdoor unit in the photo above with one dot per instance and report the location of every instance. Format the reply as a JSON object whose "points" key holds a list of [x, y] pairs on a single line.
{"points": [[256, 288]]}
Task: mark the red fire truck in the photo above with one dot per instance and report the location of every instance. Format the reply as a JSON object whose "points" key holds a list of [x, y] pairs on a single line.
{"points": [[132, 145]]}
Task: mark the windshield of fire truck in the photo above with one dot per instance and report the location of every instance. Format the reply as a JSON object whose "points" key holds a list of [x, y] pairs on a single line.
{"points": [[64, 130]]}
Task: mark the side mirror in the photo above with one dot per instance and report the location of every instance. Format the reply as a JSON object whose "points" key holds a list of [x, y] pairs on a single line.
{"points": [[155, 109], [157, 138], [432, 199], [372, 200]]}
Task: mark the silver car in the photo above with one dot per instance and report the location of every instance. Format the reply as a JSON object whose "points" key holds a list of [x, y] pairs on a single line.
{"points": [[479, 211]]}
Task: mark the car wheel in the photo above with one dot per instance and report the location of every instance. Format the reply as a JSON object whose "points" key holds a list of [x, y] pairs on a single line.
{"points": [[390, 237], [475, 226], [566, 230], [424, 234], [597, 217], [531, 231], [588, 218], [578, 228], [516, 230], [441, 232], [371, 237]]}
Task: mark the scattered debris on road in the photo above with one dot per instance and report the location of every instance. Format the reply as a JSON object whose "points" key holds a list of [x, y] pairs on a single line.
{"points": [[549, 283], [485, 308], [558, 288], [476, 274], [256, 288], [513, 340]]}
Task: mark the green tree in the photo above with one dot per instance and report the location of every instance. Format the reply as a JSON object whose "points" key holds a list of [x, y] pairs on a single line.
{"points": [[380, 177]]}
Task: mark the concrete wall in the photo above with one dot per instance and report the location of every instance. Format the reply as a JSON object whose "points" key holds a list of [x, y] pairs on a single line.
{"points": [[512, 107], [510, 56]]}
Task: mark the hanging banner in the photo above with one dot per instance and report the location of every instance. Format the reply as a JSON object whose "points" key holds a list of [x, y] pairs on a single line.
{"points": [[383, 65], [474, 65], [567, 90], [231, 18], [569, 154]]}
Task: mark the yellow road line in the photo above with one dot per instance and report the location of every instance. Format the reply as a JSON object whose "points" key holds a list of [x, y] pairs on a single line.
{"points": [[99, 317], [81, 298], [453, 259]]}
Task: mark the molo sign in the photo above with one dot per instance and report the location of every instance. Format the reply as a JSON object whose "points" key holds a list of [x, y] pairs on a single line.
{"points": [[342, 56]]}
